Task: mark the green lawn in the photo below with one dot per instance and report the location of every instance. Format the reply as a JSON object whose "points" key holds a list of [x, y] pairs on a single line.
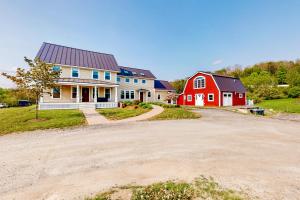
{"points": [[282, 105], [122, 113], [23, 119], [176, 113]]}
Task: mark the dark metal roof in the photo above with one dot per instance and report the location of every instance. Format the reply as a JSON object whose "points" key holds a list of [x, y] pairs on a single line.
{"points": [[135, 72], [162, 85], [80, 80], [62, 55], [229, 84]]}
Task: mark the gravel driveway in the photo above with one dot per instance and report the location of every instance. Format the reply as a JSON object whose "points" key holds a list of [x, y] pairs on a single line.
{"points": [[259, 155]]}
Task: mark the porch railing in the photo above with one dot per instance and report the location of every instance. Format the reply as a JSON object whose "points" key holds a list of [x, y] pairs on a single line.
{"points": [[52, 106]]}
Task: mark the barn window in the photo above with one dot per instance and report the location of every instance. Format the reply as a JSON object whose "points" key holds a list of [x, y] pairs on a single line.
{"points": [[240, 95], [189, 97], [210, 97], [199, 82]]}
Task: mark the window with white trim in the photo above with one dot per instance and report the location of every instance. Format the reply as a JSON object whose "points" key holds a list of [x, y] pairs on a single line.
{"points": [[56, 93], [189, 97], [199, 82], [127, 80], [210, 97], [135, 80], [144, 81], [127, 94], [241, 95], [107, 76], [95, 74], [75, 72], [131, 94], [74, 92], [118, 79]]}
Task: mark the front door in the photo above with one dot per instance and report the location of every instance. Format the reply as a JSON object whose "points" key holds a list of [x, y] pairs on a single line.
{"points": [[141, 96], [85, 94], [227, 99], [199, 100]]}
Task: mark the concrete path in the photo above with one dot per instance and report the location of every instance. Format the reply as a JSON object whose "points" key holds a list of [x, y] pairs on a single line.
{"points": [[256, 154], [93, 117]]}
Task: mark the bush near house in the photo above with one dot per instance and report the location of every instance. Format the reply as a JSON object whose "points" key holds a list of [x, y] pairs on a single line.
{"points": [[23, 119]]}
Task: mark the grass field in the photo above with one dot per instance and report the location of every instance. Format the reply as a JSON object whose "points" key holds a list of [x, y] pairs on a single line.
{"points": [[176, 113], [23, 119], [282, 105], [122, 113]]}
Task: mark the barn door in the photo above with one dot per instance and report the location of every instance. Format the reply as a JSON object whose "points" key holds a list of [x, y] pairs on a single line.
{"points": [[199, 100], [227, 99]]}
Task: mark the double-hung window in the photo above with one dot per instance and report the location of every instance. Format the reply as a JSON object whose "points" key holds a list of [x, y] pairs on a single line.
{"points": [[210, 97], [118, 79], [135, 80], [122, 94], [75, 72], [107, 93], [74, 92], [56, 93], [95, 74], [127, 80], [127, 95], [107, 76], [131, 94], [199, 82]]}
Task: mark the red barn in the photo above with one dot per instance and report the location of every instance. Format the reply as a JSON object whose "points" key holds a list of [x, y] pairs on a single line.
{"points": [[206, 89]]}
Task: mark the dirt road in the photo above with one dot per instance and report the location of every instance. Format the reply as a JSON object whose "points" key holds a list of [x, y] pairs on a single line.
{"points": [[259, 155]]}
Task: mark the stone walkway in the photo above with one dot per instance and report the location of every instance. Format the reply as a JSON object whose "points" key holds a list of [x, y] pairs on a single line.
{"points": [[94, 118]]}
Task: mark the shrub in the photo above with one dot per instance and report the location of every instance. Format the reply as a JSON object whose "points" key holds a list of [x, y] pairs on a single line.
{"points": [[294, 92], [268, 93], [127, 103], [164, 191], [145, 105], [136, 102]]}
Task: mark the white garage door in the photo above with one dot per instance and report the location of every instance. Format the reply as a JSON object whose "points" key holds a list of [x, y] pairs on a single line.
{"points": [[227, 99]]}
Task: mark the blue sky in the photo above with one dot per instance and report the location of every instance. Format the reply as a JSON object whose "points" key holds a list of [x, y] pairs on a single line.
{"points": [[171, 38]]}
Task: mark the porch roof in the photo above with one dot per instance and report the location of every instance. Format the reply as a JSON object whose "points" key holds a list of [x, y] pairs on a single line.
{"points": [[79, 81]]}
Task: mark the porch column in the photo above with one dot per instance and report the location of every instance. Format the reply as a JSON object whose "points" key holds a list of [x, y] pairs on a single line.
{"points": [[95, 94], [77, 93], [116, 94]]}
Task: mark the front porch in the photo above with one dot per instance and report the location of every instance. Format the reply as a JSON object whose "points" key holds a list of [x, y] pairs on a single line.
{"points": [[81, 93], [52, 106]]}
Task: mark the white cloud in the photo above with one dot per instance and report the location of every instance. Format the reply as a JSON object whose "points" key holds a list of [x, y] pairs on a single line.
{"points": [[217, 62]]}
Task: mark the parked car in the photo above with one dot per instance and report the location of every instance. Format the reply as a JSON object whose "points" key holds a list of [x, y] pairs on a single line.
{"points": [[24, 103], [3, 105]]}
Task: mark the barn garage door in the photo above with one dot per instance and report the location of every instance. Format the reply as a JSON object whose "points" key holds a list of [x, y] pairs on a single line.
{"points": [[227, 99]]}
